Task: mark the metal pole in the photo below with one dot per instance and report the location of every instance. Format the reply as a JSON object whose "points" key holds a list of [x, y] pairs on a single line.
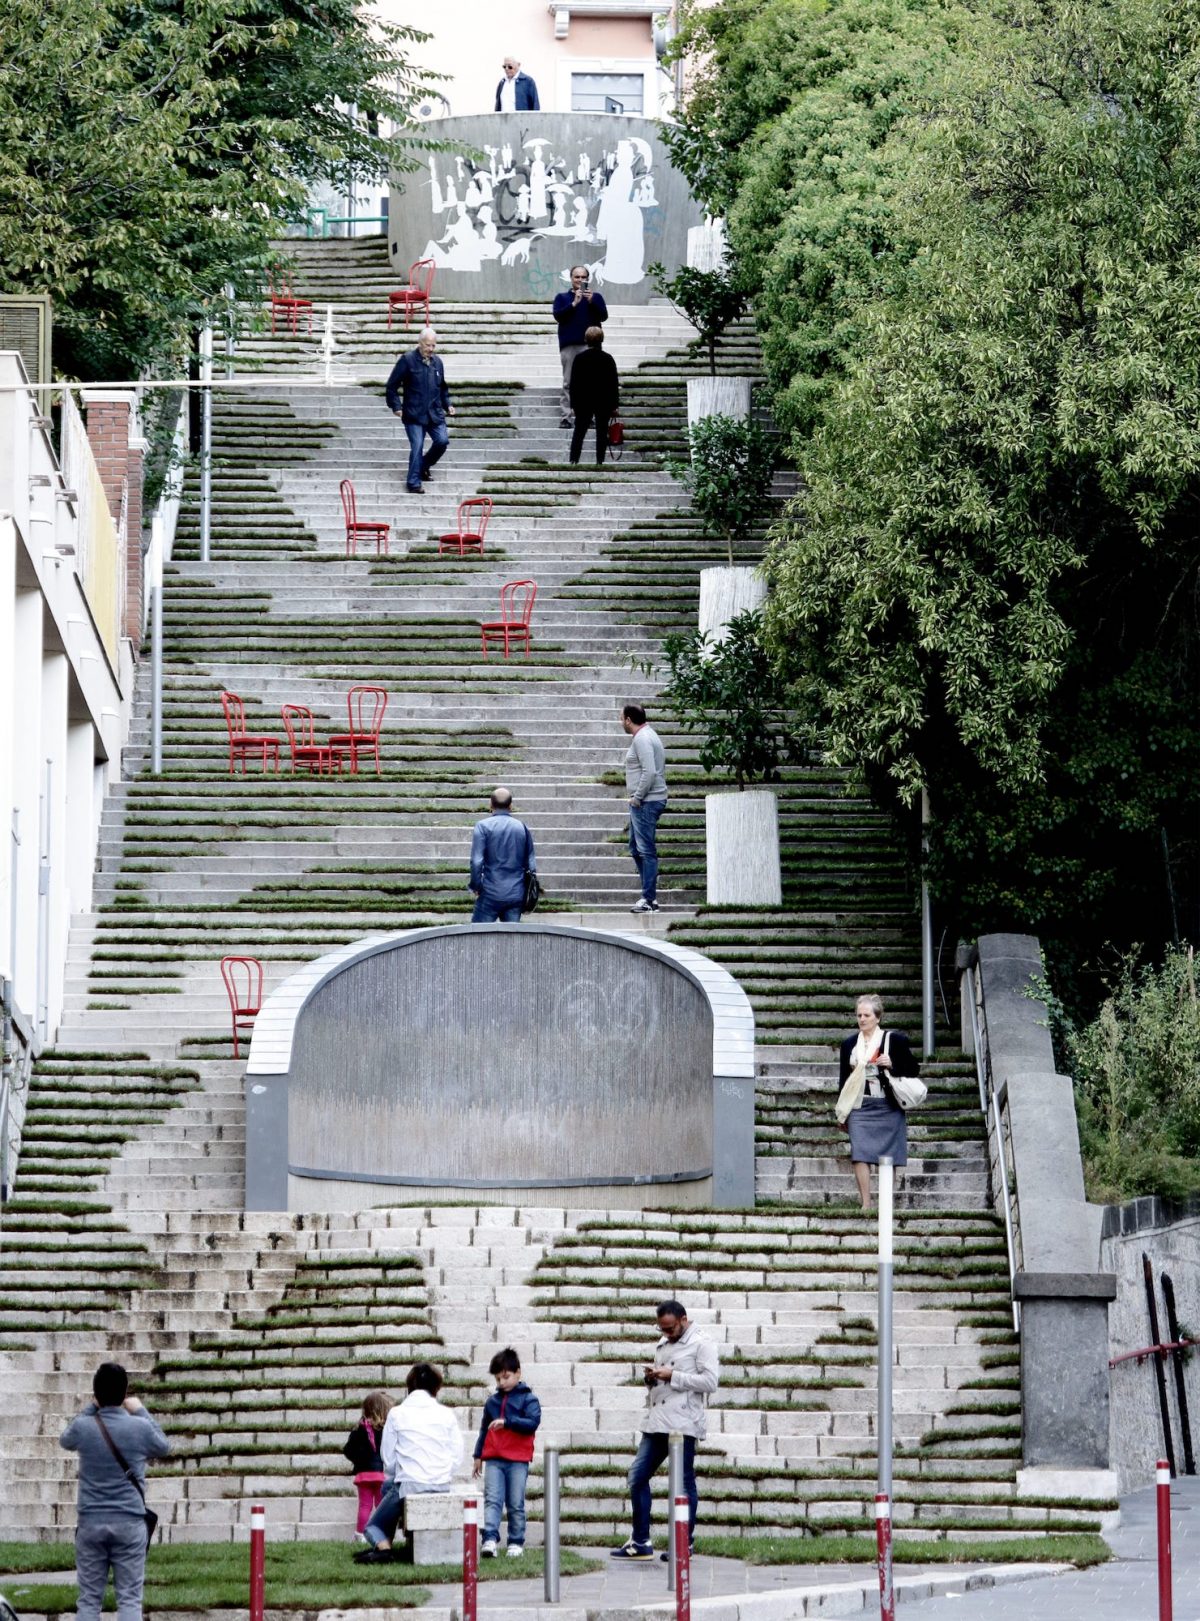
{"points": [[258, 1538], [1162, 1480], [156, 680], [883, 1548], [674, 1488], [206, 444], [470, 1558], [928, 1033], [550, 1524], [327, 345], [884, 1421], [230, 321], [681, 1543]]}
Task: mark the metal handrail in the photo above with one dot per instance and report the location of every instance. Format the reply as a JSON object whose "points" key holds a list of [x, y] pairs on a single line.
{"points": [[997, 1097]]}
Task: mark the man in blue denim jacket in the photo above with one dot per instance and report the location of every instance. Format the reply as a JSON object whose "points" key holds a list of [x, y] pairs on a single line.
{"points": [[501, 854], [417, 394]]}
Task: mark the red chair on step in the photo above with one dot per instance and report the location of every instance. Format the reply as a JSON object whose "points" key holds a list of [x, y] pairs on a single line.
{"points": [[471, 526], [322, 758], [242, 742], [415, 293], [366, 706], [243, 978], [369, 529], [285, 304], [516, 606]]}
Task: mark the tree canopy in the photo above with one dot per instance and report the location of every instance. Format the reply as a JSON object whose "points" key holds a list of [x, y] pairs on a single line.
{"points": [[149, 151]]}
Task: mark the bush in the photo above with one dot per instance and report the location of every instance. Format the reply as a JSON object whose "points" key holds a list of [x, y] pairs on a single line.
{"points": [[729, 475], [710, 299], [1137, 1081]]}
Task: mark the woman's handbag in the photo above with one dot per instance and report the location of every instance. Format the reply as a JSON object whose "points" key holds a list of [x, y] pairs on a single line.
{"points": [[908, 1091], [616, 439], [150, 1517], [851, 1095]]}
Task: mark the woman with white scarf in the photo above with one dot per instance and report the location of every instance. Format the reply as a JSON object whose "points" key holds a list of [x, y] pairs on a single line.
{"points": [[878, 1125]]}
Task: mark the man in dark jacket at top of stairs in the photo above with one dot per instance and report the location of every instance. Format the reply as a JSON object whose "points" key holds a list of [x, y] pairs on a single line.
{"points": [[418, 395], [501, 854]]}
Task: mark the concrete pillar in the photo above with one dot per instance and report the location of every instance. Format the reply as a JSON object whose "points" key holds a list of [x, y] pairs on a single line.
{"points": [[724, 594], [82, 816], [53, 797], [717, 396], [25, 699], [741, 836], [114, 433], [8, 594]]}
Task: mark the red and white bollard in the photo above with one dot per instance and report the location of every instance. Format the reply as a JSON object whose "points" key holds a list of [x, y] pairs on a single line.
{"points": [[470, 1558], [883, 1543], [258, 1557], [683, 1561], [1162, 1480]]}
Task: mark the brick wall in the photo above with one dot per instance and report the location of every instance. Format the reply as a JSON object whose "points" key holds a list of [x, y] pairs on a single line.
{"points": [[114, 433]]}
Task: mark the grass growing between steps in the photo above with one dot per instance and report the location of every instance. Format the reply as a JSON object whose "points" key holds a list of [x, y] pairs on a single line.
{"points": [[299, 1576], [1080, 1551]]}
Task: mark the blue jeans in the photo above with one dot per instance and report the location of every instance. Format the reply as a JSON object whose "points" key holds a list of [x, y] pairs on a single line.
{"points": [[643, 829], [119, 1541], [381, 1527], [418, 462], [651, 1456], [489, 911], [504, 1483]]}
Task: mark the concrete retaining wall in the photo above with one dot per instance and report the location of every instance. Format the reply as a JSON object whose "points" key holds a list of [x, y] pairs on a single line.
{"points": [[542, 191], [1169, 1233]]}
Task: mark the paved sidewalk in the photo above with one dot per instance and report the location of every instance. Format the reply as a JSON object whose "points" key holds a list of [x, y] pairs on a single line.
{"points": [[1126, 1589]]}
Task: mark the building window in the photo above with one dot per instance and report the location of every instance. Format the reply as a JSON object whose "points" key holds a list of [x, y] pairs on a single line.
{"points": [[607, 92]]}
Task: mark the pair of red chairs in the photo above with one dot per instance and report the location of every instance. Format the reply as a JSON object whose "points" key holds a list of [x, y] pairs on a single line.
{"points": [[416, 292], [467, 536], [365, 707]]}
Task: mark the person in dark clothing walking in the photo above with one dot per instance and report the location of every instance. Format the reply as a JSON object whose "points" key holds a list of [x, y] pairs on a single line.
{"points": [[111, 1532], [417, 394], [575, 312], [501, 854], [595, 394]]}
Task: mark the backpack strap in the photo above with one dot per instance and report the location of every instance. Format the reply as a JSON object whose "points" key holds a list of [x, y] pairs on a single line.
{"points": [[113, 1448]]}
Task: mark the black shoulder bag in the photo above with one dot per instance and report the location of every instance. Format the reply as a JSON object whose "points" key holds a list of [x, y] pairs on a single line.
{"points": [[533, 889], [150, 1516]]}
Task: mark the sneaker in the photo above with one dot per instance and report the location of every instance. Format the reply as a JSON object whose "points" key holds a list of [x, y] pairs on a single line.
{"points": [[489, 1548], [633, 1550], [514, 1550], [373, 1556], [645, 906]]}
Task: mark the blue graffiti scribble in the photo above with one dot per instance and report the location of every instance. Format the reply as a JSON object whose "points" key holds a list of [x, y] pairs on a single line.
{"points": [[653, 220]]}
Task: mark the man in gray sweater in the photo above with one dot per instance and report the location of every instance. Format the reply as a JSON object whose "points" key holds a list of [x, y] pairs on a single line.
{"points": [[111, 1532], [646, 784]]}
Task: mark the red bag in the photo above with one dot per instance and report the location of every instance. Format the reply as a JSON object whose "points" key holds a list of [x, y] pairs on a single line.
{"points": [[506, 1443], [616, 432]]}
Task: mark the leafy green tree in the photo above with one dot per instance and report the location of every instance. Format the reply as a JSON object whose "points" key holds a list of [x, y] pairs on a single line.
{"points": [[729, 475], [990, 585], [149, 153], [785, 132], [710, 299], [729, 692]]}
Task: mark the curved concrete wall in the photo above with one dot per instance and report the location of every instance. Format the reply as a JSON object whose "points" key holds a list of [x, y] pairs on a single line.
{"points": [[542, 192], [495, 1061]]}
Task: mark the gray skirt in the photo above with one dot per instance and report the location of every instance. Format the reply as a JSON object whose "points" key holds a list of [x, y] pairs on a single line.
{"points": [[876, 1129]]}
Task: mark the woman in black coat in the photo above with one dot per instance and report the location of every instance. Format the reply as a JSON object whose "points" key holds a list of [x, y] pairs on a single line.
{"points": [[595, 394], [879, 1125]]}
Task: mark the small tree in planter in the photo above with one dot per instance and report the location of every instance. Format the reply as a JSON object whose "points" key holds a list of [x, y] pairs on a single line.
{"points": [[710, 299], [729, 475], [729, 692]]}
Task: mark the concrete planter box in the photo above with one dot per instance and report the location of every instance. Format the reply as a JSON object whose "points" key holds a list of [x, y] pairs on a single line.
{"points": [[742, 840], [725, 593], [706, 246], [717, 396]]}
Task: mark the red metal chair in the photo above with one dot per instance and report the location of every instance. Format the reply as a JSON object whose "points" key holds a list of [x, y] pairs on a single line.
{"points": [[242, 742], [371, 529], [318, 757], [243, 978], [516, 606], [417, 291], [471, 522], [285, 303], [366, 706]]}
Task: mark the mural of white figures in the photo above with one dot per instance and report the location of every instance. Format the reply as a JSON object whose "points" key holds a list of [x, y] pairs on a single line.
{"points": [[531, 194]]}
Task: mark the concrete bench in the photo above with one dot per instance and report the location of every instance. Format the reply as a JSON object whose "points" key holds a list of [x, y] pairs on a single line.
{"points": [[432, 1523]]}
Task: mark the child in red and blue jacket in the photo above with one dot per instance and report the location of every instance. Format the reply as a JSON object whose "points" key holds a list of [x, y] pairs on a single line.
{"points": [[504, 1451]]}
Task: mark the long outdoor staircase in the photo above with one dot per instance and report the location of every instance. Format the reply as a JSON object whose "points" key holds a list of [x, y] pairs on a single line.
{"points": [[255, 1337]]}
